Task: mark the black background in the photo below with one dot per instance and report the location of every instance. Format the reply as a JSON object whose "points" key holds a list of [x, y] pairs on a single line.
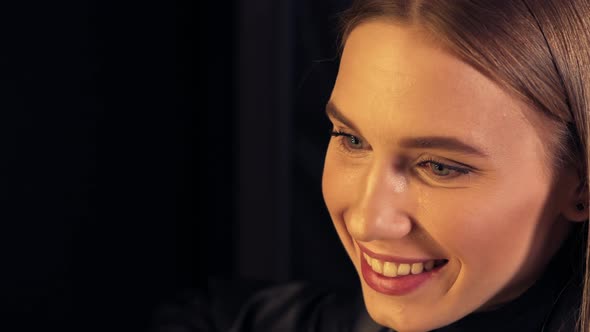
{"points": [[150, 146]]}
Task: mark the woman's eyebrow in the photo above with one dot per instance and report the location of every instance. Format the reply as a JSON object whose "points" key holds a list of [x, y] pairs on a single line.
{"points": [[333, 112], [425, 142], [442, 143]]}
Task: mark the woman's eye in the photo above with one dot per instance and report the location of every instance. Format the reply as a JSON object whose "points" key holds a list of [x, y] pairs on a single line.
{"points": [[348, 141], [440, 169], [353, 142], [443, 171]]}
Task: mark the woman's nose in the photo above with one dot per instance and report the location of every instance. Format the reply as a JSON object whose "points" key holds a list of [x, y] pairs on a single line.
{"points": [[380, 210]]}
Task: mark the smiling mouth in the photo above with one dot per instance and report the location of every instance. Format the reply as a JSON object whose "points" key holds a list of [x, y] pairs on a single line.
{"points": [[393, 269]]}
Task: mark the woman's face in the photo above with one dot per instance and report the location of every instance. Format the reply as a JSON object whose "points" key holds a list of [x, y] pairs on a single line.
{"points": [[437, 181]]}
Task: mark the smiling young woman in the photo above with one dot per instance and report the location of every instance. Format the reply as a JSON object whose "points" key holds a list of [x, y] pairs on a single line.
{"points": [[458, 164]]}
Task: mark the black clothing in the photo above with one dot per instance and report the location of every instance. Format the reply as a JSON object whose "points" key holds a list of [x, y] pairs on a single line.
{"points": [[550, 305]]}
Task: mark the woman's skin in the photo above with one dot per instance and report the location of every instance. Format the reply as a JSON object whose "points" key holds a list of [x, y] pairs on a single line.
{"points": [[482, 197]]}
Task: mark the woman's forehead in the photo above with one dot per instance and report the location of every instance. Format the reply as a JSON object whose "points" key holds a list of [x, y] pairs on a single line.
{"points": [[394, 61]]}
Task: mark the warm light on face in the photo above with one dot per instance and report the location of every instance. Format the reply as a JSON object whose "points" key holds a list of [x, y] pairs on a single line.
{"points": [[434, 168]]}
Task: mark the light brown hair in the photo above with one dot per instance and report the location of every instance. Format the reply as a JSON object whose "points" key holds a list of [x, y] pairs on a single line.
{"points": [[539, 50]]}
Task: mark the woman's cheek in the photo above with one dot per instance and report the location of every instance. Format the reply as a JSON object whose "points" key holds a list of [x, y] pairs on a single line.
{"points": [[340, 182], [334, 192], [483, 230], [330, 184]]}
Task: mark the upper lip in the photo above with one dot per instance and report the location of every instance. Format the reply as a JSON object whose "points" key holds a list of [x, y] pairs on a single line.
{"points": [[389, 258]]}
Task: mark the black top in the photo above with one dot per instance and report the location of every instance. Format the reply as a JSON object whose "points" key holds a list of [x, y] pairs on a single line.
{"points": [[550, 305]]}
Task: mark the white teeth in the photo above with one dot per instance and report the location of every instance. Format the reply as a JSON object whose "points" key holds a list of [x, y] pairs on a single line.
{"points": [[389, 269], [403, 269], [417, 268], [368, 259], [377, 266]]}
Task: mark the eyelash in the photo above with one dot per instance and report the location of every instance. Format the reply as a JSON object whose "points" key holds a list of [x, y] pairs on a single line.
{"points": [[434, 163], [342, 136], [423, 163]]}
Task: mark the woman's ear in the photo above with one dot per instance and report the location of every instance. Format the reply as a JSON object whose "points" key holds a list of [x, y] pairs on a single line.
{"points": [[576, 204]]}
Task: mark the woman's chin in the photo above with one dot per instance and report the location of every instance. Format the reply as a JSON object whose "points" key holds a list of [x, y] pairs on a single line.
{"points": [[400, 317], [402, 326], [408, 325]]}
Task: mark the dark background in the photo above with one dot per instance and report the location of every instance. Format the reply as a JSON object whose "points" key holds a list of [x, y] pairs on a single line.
{"points": [[151, 146]]}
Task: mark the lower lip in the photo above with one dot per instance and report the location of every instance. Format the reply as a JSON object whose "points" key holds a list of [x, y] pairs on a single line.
{"points": [[395, 286]]}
